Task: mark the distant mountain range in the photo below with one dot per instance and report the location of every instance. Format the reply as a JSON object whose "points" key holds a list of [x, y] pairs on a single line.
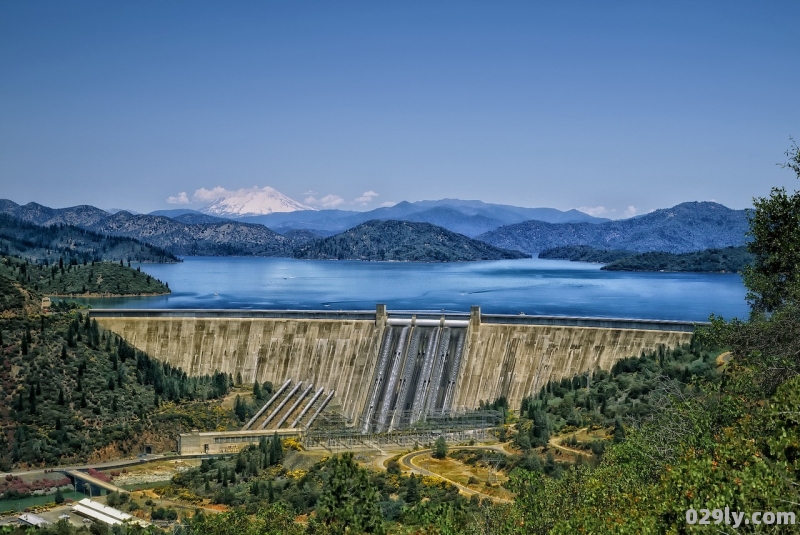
{"points": [[683, 228], [465, 217], [220, 237], [402, 240], [690, 226]]}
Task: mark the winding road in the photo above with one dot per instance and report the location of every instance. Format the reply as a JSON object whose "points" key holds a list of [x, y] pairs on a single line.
{"points": [[407, 460]]}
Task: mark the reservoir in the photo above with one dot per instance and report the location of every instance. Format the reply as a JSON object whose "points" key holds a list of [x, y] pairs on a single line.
{"points": [[529, 286]]}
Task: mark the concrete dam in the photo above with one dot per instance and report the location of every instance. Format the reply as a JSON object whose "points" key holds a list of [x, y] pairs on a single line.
{"points": [[388, 370]]}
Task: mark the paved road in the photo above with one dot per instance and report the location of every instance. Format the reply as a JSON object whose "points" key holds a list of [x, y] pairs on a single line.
{"points": [[120, 463], [407, 460]]}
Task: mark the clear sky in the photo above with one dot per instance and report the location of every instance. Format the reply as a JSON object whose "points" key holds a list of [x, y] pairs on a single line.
{"points": [[611, 106]]}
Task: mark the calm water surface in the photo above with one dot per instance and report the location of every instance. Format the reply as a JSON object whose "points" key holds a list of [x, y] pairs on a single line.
{"points": [[532, 286]]}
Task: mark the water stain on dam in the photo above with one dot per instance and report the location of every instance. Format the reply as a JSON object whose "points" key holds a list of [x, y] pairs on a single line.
{"points": [[391, 370]]}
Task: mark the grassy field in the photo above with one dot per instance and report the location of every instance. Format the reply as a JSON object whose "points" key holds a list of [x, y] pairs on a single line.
{"points": [[477, 476]]}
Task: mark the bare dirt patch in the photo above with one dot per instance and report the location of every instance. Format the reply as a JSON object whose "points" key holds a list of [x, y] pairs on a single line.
{"points": [[152, 472]]}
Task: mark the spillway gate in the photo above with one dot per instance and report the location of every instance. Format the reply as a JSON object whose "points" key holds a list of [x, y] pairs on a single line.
{"points": [[416, 372]]}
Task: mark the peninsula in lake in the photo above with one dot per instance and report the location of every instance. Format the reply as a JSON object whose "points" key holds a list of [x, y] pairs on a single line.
{"points": [[725, 260], [402, 240]]}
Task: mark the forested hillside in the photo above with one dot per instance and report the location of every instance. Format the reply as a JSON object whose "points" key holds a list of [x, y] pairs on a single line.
{"points": [[70, 391], [690, 226], [728, 260], [70, 243], [402, 241], [89, 280]]}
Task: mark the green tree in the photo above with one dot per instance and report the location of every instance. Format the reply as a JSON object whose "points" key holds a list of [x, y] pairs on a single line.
{"points": [[275, 450], [349, 503], [619, 431], [440, 448], [774, 278]]}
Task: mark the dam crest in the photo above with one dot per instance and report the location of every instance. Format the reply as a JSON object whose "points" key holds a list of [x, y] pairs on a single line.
{"points": [[386, 370]]}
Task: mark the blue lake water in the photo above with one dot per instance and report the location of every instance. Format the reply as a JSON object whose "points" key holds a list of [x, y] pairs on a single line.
{"points": [[532, 286]]}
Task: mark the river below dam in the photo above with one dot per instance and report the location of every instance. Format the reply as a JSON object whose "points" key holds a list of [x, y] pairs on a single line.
{"points": [[529, 286]]}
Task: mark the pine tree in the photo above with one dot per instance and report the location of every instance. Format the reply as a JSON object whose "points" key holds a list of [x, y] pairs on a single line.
{"points": [[440, 448], [619, 431], [276, 450], [349, 503], [32, 399]]}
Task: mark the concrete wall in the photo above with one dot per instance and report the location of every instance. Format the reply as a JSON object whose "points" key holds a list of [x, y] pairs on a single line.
{"points": [[334, 354], [505, 356], [517, 360], [215, 442]]}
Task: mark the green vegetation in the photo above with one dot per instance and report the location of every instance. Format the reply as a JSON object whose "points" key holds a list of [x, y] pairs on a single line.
{"points": [[727, 260], [71, 391], [244, 409], [631, 391], [402, 241], [585, 253], [439, 448], [62, 278], [773, 280], [38, 243], [336, 495]]}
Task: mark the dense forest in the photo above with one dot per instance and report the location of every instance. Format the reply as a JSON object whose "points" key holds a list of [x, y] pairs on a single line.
{"points": [[74, 279], [72, 391], [727, 260], [72, 244], [402, 241]]}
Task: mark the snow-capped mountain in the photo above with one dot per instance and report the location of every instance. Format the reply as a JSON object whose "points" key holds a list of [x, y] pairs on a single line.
{"points": [[257, 201]]}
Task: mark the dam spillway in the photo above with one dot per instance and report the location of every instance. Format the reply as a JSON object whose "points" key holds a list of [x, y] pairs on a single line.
{"points": [[417, 367], [390, 370]]}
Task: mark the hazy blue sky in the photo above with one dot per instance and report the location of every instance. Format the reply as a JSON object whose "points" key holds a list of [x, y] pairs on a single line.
{"points": [[562, 104]]}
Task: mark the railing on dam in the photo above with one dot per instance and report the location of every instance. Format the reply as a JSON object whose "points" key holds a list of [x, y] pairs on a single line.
{"points": [[403, 317], [600, 323], [361, 315]]}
